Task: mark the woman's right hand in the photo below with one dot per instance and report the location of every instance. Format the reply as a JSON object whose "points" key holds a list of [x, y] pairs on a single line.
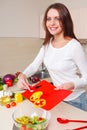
{"points": [[22, 81]]}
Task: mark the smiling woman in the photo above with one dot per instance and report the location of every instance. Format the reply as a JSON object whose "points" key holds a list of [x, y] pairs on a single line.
{"points": [[59, 55]]}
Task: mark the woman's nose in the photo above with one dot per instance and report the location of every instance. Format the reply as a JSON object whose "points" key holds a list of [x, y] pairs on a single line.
{"points": [[52, 22]]}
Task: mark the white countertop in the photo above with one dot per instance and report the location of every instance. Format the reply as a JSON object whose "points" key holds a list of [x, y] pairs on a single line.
{"points": [[61, 110]]}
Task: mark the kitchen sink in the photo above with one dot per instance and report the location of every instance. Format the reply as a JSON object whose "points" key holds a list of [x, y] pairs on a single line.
{"points": [[42, 74]]}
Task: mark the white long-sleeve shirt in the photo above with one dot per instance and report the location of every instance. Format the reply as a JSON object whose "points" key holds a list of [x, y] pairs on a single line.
{"points": [[62, 64]]}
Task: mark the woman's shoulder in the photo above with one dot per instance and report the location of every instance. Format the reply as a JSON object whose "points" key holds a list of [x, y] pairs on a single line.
{"points": [[76, 46], [76, 43]]}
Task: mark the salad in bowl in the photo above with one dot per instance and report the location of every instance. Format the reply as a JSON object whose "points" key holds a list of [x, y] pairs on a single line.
{"points": [[30, 118]]}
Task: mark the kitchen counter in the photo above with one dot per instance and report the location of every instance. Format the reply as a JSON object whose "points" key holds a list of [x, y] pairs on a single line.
{"points": [[61, 110]]}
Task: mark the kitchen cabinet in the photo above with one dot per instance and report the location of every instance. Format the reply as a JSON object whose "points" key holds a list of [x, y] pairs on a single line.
{"points": [[79, 18]]}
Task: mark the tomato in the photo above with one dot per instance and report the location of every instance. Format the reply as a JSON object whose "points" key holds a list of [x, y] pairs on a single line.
{"points": [[40, 118], [13, 104], [8, 105], [9, 82], [23, 127], [29, 129]]}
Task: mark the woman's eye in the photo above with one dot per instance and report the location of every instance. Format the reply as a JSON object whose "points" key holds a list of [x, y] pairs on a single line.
{"points": [[48, 19], [57, 18]]}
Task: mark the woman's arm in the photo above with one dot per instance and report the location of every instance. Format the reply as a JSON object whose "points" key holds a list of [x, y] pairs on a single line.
{"points": [[34, 66], [30, 70], [79, 57]]}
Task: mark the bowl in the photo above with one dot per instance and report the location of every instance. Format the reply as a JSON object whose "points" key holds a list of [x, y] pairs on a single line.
{"points": [[30, 118]]}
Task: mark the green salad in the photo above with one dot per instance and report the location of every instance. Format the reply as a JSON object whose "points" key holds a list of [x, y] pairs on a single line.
{"points": [[36, 122]]}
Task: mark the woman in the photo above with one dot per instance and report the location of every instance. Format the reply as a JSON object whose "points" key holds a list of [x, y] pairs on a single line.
{"points": [[62, 55]]}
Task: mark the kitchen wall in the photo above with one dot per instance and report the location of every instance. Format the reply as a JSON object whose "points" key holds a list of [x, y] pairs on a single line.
{"points": [[19, 33], [20, 18], [17, 53], [78, 11]]}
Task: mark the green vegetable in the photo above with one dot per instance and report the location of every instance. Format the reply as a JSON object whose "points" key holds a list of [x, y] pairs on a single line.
{"points": [[1, 87], [36, 122], [15, 80], [1, 82]]}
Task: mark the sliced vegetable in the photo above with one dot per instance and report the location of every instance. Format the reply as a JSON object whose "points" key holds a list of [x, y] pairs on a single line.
{"points": [[30, 120], [40, 103], [31, 123], [36, 96]]}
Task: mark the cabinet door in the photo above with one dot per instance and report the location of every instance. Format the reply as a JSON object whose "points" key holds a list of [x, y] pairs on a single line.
{"points": [[79, 17]]}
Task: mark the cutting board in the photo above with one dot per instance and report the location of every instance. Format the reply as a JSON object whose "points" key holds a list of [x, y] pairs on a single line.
{"points": [[52, 97]]}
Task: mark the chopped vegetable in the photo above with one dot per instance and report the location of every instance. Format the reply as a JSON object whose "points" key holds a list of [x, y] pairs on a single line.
{"points": [[31, 123], [30, 120], [40, 103], [36, 96]]}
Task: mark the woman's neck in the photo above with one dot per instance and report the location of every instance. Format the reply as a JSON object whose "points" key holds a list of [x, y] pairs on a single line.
{"points": [[59, 42]]}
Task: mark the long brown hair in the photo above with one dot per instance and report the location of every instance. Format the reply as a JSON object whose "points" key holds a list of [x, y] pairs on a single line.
{"points": [[65, 18]]}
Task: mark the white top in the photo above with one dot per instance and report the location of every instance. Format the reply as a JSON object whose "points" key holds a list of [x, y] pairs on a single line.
{"points": [[63, 64]]}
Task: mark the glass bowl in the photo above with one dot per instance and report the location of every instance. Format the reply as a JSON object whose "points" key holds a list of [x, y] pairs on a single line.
{"points": [[31, 118]]}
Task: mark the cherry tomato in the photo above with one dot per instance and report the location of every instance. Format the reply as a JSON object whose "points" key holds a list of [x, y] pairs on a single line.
{"points": [[13, 104], [9, 82], [8, 105], [23, 127], [40, 118]]}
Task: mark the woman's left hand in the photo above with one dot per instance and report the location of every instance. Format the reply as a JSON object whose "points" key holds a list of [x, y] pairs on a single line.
{"points": [[67, 86]]}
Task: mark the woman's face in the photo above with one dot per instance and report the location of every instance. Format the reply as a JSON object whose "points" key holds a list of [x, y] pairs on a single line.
{"points": [[53, 22]]}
